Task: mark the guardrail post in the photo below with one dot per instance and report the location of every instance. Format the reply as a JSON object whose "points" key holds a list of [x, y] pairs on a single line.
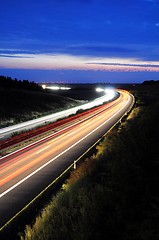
{"points": [[74, 165]]}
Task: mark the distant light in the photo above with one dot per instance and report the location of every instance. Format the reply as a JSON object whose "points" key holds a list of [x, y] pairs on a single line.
{"points": [[99, 89], [65, 88], [53, 88], [56, 88], [44, 86]]}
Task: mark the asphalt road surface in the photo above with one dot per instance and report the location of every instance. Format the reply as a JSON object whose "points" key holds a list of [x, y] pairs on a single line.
{"points": [[8, 131], [23, 175]]}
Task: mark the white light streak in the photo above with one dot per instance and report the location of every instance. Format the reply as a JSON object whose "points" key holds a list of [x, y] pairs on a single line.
{"points": [[43, 149], [53, 159], [55, 116]]}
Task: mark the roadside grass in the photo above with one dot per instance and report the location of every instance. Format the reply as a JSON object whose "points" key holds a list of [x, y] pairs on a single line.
{"points": [[114, 193], [22, 105]]}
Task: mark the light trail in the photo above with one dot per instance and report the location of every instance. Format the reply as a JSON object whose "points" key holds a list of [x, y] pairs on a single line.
{"points": [[16, 173], [58, 131], [7, 131], [24, 174], [42, 150]]}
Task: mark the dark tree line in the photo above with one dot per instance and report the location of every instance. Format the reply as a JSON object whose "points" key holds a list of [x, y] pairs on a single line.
{"points": [[151, 82], [9, 83]]}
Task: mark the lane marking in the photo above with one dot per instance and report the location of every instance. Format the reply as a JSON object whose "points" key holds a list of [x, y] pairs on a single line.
{"points": [[54, 133], [42, 149], [53, 159], [72, 133]]}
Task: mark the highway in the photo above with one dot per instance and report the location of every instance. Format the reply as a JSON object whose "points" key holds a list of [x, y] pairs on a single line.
{"points": [[24, 174], [8, 131]]}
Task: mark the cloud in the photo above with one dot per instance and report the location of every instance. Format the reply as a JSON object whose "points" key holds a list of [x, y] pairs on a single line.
{"points": [[99, 50], [74, 49], [142, 52], [128, 64], [13, 56], [70, 62]]}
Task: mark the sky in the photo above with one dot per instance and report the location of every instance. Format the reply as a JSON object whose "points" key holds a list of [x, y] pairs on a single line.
{"points": [[80, 41]]}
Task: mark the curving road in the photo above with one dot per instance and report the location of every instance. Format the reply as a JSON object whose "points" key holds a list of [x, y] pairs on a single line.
{"points": [[23, 175], [8, 131]]}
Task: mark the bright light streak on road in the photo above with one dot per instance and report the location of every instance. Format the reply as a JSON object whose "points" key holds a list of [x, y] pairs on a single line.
{"points": [[110, 93], [27, 173], [36, 160], [7, 131]]}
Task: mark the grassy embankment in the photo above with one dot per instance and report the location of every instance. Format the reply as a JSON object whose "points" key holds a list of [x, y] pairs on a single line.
{"points": [[114, 193], [18, 104], [23, 100]]}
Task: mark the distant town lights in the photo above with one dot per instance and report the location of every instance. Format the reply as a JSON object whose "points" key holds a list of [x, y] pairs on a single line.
{"points": [[55, 87]]}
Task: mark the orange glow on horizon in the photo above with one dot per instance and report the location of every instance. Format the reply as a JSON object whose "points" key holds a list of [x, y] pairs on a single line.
{"points": [[69, 62]]}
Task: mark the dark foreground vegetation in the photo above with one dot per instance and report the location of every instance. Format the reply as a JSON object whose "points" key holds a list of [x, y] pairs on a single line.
{"points": [[9, 83], [114, 193], [23, 100]]}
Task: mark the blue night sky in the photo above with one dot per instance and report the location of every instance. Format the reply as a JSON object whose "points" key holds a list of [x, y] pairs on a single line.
{"points": [[80, 40]]}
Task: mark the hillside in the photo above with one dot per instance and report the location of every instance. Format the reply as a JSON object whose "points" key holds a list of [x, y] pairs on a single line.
{"points": [[23, 101]]}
